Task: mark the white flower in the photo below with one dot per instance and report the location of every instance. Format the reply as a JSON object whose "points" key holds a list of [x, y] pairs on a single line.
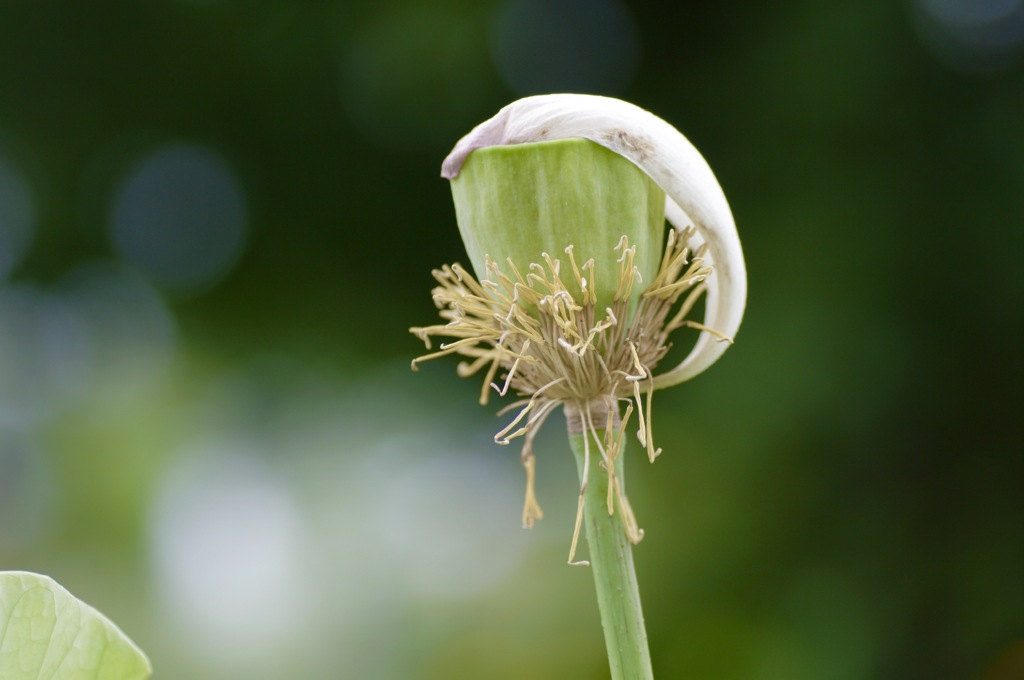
{"points": [[584, 336], [693, 195]]}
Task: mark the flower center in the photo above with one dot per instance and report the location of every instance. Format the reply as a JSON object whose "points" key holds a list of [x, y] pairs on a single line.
{"points": [[554, 345], [549, 336]]}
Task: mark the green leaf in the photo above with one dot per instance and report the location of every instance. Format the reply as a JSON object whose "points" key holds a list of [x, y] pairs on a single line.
{"points": [[46, 633]]}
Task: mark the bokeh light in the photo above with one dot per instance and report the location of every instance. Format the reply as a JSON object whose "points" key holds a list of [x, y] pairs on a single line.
{"points": [[100, 323], [973, 36], [17, 216], [309, 495], [228, 551], [42, 354], [123, 333], [180, 217], [437, 517], [587, 46]]}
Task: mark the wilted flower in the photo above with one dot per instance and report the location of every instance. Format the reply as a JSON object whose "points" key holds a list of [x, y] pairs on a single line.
{"points": [[561, 201]]}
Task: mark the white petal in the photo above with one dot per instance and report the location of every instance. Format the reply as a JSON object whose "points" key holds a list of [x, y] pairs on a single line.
{"points": [[692, 192]]}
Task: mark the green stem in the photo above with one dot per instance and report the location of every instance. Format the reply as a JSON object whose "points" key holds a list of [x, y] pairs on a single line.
{"points": [[611, 559]]}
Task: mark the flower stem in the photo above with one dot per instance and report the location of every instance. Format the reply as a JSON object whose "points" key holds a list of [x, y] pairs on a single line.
{"points": [[611, 558]]}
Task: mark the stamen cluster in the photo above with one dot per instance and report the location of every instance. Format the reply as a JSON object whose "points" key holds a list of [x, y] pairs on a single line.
{"points": [[554, 346]]}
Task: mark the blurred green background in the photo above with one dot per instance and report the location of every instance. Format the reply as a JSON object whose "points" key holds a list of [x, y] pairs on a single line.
{"points": [[218, 219]]}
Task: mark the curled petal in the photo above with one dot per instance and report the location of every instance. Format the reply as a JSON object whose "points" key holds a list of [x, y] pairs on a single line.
{"points": [[693, 195]]}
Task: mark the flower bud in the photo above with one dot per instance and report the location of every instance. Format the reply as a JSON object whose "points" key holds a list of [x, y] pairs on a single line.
{"points": [[561, 201], [694, 196], [515, 203]]}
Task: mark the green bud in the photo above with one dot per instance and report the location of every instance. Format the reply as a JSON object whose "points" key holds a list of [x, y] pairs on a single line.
{"points": [[519, 201]]}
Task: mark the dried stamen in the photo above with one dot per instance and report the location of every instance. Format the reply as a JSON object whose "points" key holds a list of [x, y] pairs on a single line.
{"points": [[555, 349]]}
